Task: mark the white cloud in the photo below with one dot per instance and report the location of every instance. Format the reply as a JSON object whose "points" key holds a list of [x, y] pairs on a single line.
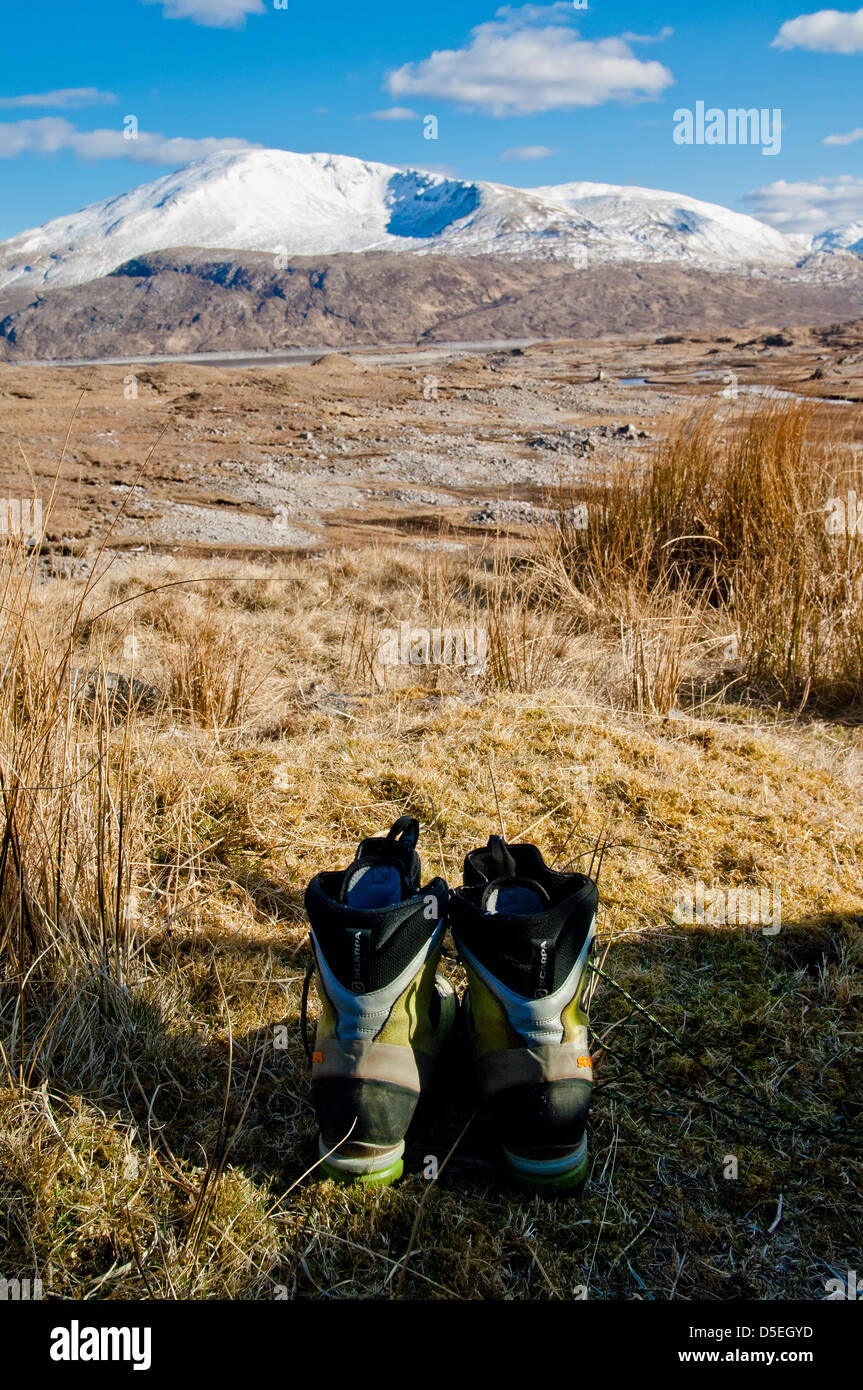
{"points": [[665, 33], [826, 31], [516, 16], [808, 207], [216, 14], [528, 60], [527, 152], [849, 139], [65, 97], [394, 113], [54, 133]]}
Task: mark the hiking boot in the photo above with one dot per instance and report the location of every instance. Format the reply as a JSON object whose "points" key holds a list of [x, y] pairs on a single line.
{"points": [[524, 933], [377, 939]]}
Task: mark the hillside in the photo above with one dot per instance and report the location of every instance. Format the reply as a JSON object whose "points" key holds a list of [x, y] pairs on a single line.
{"points": [[189, 301]]}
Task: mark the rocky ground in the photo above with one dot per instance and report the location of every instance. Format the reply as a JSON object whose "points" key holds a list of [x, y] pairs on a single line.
{"points": [[440, 443]]}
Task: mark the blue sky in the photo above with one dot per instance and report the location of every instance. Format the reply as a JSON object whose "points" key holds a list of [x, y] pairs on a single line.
{"points": [[531, 94]]}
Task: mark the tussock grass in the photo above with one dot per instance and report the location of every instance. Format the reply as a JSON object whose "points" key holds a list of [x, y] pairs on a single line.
{"points": [[728, 521], [212, 675]]}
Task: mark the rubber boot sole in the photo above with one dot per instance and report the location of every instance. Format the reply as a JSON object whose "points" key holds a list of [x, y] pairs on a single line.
{"points": [[563, 1175]]}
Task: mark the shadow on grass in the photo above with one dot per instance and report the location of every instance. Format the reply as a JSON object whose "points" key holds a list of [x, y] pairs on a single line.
{"points": [[773, 1017]]}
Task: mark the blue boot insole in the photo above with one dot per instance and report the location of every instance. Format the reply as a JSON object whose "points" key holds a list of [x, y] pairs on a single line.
{"points": [[514, 900], [374, 886]]}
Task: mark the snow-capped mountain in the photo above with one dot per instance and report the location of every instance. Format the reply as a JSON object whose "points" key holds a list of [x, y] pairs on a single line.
{"points": [[320, 204], [845, 238]]}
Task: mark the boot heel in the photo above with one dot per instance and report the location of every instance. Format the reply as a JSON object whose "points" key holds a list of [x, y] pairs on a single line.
{"points": [[564, 1171], [375, 1168]]}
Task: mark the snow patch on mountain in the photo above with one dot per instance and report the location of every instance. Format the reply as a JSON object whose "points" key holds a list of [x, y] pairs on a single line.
{"points": [[846, 238]]}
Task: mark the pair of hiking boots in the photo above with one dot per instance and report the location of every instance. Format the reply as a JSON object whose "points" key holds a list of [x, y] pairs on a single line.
{"points": [[523, 933]]}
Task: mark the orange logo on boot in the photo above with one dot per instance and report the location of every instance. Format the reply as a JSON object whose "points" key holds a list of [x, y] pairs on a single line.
{"points": [[317, 1057]]}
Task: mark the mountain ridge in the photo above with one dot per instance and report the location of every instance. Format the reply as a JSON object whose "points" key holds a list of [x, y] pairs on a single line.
{"points": [[288, 204], [191, 301]]}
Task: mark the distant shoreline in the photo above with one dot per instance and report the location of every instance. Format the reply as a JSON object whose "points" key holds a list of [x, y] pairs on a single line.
{"points": [[287, 357]]}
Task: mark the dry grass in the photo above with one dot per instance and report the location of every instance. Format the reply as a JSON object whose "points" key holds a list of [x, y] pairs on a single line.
{"points": [[724, 532], [212, 674], [154, 1123]]}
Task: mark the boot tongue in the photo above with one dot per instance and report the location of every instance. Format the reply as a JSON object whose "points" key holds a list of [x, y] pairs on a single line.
{"points": [[514, 897], [500, 857]]}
